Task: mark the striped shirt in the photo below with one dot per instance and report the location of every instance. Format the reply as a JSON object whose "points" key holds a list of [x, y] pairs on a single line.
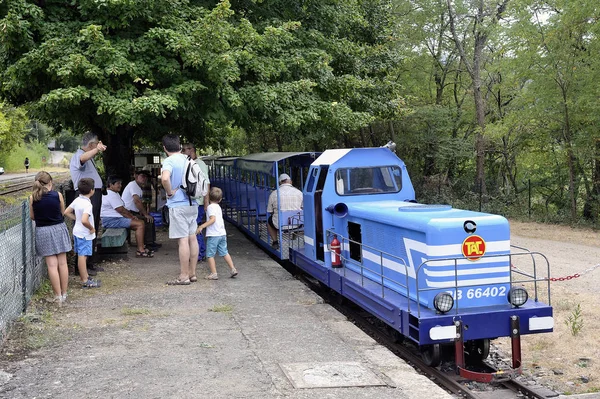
{"points": [[291, 200]]}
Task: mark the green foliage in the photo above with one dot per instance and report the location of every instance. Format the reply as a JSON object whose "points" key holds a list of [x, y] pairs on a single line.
{"points": [[297, 74], [575, 320], [12, 161], [12, 126]]}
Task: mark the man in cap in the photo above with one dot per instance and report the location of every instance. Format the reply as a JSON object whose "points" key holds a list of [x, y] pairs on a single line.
{"points": [[290, 199], [132, 197]]}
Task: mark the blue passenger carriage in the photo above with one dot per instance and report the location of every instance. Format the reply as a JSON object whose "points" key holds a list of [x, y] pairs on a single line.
{"points": [[248, 181], [436, 275]]}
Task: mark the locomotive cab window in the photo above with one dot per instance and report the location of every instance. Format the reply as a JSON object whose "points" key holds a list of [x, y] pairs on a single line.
{"points": [[370, 180]]}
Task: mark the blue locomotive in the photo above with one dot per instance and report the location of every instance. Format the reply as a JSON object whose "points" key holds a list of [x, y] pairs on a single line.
{"points": [[436, 275]]}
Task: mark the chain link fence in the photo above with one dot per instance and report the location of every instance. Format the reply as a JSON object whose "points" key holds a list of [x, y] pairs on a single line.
{"points": [[21, 271]]}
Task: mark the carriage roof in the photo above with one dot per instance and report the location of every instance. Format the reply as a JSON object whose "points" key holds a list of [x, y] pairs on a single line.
{"points": [[266, 161]]}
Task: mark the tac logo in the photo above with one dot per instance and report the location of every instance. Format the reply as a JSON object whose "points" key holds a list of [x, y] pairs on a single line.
{"points": [[473, 247]]}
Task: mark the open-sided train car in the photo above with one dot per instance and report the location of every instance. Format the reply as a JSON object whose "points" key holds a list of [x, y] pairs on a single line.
{"points": [[247, 183], [438, 276]]}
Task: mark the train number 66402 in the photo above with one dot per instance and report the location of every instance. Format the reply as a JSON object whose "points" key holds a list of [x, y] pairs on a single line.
{"points": [[488, 292]]}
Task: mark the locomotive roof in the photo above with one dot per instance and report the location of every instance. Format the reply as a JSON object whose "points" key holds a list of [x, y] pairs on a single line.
{"points": [[346, 157], [265, 161]]}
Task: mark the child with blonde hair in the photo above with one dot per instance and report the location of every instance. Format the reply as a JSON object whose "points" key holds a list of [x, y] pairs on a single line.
{"points": [[52, 240], [216, 236]]}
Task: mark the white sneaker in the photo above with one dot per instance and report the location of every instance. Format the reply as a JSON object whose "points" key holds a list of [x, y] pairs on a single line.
{"points": [[64, 297], [212, 276]]}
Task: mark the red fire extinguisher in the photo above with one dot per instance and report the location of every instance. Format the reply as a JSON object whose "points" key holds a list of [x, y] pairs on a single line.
{"points": [[336, 252]]}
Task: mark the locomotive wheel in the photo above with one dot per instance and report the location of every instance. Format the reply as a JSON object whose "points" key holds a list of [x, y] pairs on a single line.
{"points": [[324, 287], [395, 335], [398, 337], [477, 350], [431, 355]]}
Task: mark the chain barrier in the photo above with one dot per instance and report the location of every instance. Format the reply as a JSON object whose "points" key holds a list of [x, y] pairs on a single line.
{"points": [[576, 275], [564, 278]]}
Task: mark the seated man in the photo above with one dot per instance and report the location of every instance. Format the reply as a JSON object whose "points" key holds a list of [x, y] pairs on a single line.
{"points": [[291, 200], [114, 215], [132, 198]]}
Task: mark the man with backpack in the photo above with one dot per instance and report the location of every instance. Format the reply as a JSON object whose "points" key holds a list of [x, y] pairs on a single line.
{"points": [[190, 150], [183, 211]]}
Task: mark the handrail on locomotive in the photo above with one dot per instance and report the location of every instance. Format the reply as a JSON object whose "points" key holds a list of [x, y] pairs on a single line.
{"points": [[531, 278]]}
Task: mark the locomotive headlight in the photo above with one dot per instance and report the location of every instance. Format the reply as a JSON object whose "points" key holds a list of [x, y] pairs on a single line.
{"points": [[443, 302], [517, 296]]}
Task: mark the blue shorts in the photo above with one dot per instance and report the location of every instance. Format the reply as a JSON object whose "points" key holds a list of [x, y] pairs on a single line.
{"points": [[216, 244], [82, 246], [116, 223]]}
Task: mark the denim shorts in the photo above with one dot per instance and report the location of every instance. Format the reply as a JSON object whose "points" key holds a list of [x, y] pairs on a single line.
{"points": [[82, 246], [116, 223], [216, 245]]}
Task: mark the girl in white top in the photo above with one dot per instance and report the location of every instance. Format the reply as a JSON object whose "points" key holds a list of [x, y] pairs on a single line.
{"points": [[216, 236]]}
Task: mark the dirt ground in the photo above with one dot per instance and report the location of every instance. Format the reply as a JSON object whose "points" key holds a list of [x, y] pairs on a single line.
{"points": [[567, 360]]}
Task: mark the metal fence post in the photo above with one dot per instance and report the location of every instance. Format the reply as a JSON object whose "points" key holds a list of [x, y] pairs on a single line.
{"points": [[529, 196], [24, 254]]}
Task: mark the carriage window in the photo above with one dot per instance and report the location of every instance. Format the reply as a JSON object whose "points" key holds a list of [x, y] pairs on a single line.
{"points": [[373, 180]]}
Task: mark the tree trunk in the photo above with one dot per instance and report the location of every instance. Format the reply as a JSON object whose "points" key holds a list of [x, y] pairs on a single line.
{"points": [[592, 207], [118, 157], [480, 113], [391, 130]]}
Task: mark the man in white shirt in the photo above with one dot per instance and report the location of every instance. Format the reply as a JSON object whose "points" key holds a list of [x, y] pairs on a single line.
{"points": [[291, 200], [132, 198], [190, 150], [114, 215]]}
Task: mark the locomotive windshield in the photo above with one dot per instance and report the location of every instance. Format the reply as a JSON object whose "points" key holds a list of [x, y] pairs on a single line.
{"points": [[370, 180]]}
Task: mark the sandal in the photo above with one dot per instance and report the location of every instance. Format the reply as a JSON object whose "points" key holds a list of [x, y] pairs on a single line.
{"points": [[145, 254], [193, 279], [177, 281], [91, 283]]}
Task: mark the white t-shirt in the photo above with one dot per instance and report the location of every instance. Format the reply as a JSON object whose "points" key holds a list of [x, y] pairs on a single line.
{"points": [[217, 229], [132, 189], [110, 202], [80, 206], [204, 169]]}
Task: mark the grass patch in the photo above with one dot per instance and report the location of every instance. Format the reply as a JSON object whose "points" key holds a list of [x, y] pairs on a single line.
{"points": [[43, 291], [134, 311], [563, 305], [221, 309]]}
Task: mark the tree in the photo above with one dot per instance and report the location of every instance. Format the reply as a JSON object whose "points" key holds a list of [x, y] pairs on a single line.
{"points": [[133, 71], [13, 122], [555, 46], [483, 17]]}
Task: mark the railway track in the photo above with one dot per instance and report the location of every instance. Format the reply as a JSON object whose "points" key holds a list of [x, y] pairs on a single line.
{"points": [[445, 376], [15, 188], [22, 184]]}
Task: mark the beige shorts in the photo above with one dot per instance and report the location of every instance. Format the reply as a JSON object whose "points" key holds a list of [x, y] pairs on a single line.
{"points": [[182, 221]]}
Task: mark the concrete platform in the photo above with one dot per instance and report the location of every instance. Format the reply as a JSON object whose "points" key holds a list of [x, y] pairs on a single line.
{"points": [[261, 335]]}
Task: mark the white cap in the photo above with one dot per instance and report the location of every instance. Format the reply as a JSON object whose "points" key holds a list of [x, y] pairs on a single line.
{"points": [[284, 176]]}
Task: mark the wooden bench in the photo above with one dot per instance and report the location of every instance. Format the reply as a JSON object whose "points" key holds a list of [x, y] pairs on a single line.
{"points": [[113, 242]]}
